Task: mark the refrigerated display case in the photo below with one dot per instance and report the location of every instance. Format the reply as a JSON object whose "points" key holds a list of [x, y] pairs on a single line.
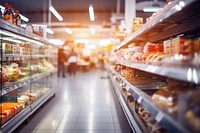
{"points": [[28, 66], [157, 71]]}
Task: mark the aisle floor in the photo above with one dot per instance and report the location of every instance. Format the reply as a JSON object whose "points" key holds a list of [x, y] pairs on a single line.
{"points": [[85, 103]]}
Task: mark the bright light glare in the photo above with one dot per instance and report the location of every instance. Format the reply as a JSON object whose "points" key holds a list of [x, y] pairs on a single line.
{"points": [[189, 74], [104, 42], [49, 31], [56, 41], [68, 30], [52, 9], [85, 41], [91, 13], [182, 3], [177, 7], [92, 30]]}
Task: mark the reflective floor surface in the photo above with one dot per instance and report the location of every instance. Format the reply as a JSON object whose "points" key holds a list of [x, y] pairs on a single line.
{"points": [[84, 103]]}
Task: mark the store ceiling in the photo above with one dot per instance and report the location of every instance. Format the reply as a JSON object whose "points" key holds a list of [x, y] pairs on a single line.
{"points": [[75, 14]]}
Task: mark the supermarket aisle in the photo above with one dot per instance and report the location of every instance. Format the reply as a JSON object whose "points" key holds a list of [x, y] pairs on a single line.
{"points": [[83, 104]]}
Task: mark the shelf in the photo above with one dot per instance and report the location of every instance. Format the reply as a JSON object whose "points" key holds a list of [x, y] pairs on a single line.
{"points": [[168, 22], [132, 122], [159, 114], [23, 82], [12, 124], [20, 31], [184, 73]]}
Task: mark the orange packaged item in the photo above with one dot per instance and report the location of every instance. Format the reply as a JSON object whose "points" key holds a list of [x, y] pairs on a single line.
{"points": [[184, 46]]}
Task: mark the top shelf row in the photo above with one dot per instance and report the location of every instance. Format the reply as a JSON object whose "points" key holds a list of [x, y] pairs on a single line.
{"points": [[16, 30], [178, 17]]}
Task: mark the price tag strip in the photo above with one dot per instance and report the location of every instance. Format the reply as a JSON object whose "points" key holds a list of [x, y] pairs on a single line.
{"points": [[159, 116]]}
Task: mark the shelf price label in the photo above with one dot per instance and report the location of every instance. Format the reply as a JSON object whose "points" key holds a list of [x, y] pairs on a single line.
{"points": [[4, 92], [20, 85], [11, 88], [139, 100], [159, 116], [15, 86]]}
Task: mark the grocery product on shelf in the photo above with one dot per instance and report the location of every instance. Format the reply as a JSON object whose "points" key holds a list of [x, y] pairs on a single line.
{"points": [[190, 110], [9, 110], [17, 19], [137, 23], [152, 125], [7, 15], [168, 96]]}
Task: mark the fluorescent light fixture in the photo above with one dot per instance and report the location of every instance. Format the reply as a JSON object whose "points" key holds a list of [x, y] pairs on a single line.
{"points": [[68, 30], [104, 42], [50, 31], [92, 30], [56, 41], [52, 9], [24, 18], [151, 9], [89, 46], [85, 41], [11, 40], [91, 13]]}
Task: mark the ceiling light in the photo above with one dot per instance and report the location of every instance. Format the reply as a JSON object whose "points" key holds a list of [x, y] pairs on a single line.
{"points": [[24, 18], [104, 42], [153, 8], [49, 31], [91, 13], [92, 30], [68, 30], [52, 9], [85, 41], [56, 41]]}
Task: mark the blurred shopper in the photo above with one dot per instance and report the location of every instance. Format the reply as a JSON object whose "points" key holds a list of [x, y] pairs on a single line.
{"points": [[61, 62], [72, 60]]}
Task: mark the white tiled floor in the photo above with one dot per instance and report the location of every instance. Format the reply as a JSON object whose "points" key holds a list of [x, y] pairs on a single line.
{"points": [[84, 103]]}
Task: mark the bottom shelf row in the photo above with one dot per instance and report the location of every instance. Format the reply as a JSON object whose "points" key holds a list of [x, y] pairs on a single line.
{"points": [[139, 118], [19, 104]]}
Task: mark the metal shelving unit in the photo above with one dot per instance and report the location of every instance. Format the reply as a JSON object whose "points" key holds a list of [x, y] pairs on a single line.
{"points": [[132, 122], [178, 17], [20, 31], [183, 73], [169, 121]]}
